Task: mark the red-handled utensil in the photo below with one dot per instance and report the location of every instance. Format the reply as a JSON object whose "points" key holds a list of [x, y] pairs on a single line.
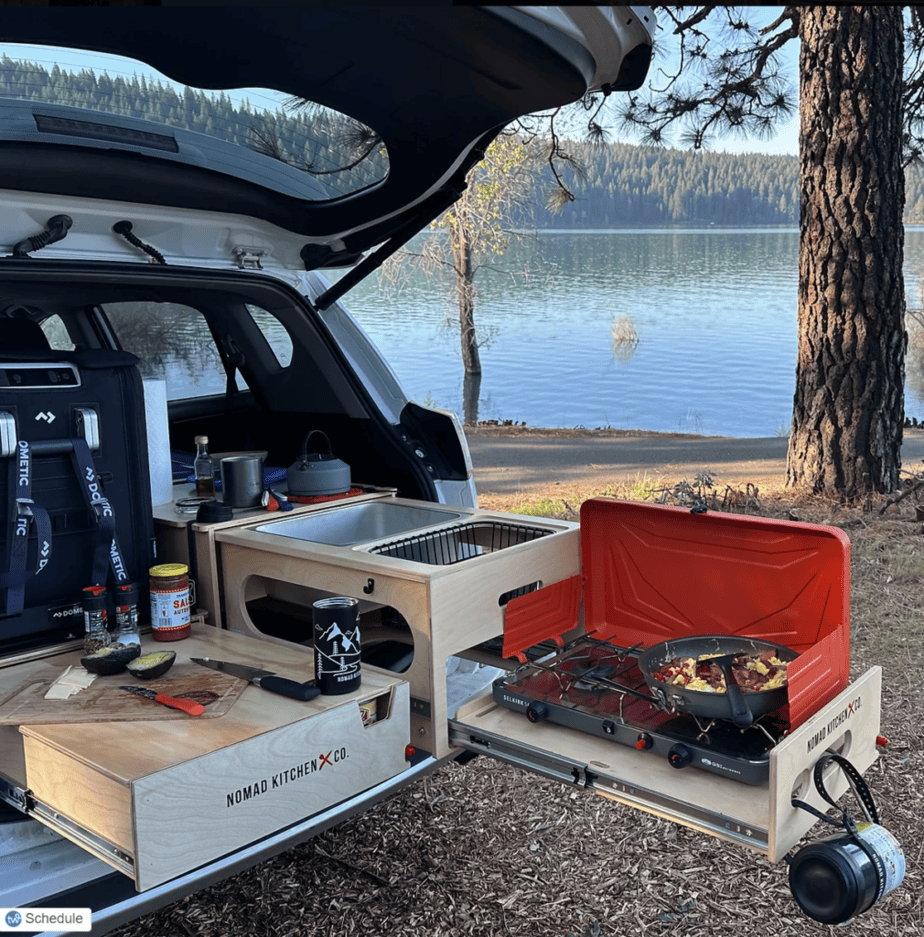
{"points": [[187, 705]]}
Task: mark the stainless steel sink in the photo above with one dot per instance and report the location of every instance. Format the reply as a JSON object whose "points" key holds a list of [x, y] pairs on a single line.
{"points": [[358, 523]]}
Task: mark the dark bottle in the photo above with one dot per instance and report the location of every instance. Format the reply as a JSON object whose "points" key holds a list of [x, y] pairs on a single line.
{"points": [[336, 645], [205, 471]]}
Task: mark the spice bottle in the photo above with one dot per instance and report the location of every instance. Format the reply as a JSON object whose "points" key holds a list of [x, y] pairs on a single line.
{"points": [[95, 619], [204, 469], [126, 629], [170, 601]]}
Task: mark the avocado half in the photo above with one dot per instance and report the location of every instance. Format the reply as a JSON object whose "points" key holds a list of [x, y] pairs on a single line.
{"points": [[110, 660], [152, 666]]}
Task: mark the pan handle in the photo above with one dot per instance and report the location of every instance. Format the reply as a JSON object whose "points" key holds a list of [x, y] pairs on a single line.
{"points": [[740, 712]]}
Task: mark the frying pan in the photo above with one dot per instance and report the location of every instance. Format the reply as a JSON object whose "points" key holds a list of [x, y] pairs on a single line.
{"points": [[741, 707]]}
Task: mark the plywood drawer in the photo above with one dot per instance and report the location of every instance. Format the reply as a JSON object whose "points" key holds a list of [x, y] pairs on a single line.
{"points": [[157, 799]]}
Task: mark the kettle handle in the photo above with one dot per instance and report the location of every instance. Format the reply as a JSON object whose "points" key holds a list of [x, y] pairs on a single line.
{"points": [[304, 451]]}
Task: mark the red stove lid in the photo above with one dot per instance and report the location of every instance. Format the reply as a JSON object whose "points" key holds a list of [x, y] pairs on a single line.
{"points": [[653, 572]]}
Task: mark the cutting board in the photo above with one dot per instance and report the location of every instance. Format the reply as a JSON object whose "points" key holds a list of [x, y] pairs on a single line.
{"points": [[103, 701]]}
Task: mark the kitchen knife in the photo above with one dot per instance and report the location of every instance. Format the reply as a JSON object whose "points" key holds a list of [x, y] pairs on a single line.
{"points": [[265, 679], [187, 705]]}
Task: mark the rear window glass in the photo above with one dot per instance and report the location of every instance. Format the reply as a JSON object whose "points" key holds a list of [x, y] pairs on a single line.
{"points": [[275, 334], [174, 344], [57, 335], [341, 155]]}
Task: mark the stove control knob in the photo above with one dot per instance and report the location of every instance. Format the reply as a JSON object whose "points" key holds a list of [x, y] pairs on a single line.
{"points": [[679, 756], [537, 712], [644, 742]]}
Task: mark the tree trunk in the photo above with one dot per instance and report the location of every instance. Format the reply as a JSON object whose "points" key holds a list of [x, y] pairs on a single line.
{"points": [[465, 288], [848, 408], [471, 394]]}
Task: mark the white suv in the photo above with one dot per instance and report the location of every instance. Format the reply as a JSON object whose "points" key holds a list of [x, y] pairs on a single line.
{"points": [[194, 233]]}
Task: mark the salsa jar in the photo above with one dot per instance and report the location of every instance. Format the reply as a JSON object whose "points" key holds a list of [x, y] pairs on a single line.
{"points": [[170, 601]]}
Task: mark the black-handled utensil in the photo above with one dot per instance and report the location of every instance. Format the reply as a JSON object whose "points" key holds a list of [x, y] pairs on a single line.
{"points": [[265, 679], [175, 702], [740, 711]]}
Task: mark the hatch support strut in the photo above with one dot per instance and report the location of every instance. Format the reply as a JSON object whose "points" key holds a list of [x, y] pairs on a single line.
{"points": [[375, 260]]}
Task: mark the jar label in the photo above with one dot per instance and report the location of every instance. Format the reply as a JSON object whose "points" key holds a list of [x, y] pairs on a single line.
{"points": [[170, 609], [888, 851]]}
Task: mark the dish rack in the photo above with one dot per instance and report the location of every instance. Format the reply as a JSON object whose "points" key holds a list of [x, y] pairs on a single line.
{"points": [[459, 542]]}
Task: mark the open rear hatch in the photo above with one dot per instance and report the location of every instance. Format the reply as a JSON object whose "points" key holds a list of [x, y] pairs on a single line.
{"points": [[424, 91]]}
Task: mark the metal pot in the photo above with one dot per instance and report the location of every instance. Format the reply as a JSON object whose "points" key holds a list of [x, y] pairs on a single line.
{"points": [[714, 705], [242, 480]]}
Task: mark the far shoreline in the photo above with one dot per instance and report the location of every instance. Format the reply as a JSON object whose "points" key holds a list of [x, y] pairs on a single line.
{"points": [[489, 428]]}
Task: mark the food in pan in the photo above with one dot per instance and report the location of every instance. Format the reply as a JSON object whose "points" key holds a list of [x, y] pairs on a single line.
{"points": [[764, 671], [111, 659], [153, 665]]}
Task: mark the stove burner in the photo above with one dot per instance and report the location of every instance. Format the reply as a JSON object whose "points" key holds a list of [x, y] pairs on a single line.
{"points": [[597, 687], [591, 674]]}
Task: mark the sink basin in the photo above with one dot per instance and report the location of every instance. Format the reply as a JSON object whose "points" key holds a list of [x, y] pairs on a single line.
{"points": [[358, 523]]}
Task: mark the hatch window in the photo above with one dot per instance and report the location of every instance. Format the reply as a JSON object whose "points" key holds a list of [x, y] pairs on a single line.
{"points": [[174, 344], [338, 154]]}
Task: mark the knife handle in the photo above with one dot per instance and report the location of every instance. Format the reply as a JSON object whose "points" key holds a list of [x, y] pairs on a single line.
{"points": [[290, 688], [187, 705]]}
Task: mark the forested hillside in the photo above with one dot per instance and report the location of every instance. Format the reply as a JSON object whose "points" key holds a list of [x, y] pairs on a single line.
{"points": [[622, 185], [635, 185]]}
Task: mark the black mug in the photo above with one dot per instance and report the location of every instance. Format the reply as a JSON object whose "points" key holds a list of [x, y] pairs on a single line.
{"points": [[337, 645]]}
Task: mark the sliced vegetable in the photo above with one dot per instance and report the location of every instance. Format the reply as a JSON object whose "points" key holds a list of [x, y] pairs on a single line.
{"points": [[110, 660], [153, 665]]}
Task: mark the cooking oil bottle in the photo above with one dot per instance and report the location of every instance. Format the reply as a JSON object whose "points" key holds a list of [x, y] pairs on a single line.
{"points": [[204, 469]]}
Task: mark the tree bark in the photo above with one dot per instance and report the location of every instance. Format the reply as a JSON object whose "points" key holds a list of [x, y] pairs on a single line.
{"points": [[848, 408], [465, 288], [471, 394]]}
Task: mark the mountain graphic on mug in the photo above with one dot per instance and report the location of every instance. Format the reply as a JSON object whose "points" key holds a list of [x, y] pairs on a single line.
{"points": [[349, 643]]}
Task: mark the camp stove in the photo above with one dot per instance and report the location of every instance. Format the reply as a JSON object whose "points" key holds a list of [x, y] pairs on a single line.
{"points": [[656, 573], [596, 687]]}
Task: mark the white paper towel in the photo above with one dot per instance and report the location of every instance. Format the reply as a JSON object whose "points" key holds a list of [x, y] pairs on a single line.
{"points": [[155, 415]]}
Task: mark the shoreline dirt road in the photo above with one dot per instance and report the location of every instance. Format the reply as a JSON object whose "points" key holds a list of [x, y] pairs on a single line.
{"points": [[513, 462]]}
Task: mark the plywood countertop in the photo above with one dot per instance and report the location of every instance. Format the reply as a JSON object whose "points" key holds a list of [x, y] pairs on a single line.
{"points": [[128, 750]]}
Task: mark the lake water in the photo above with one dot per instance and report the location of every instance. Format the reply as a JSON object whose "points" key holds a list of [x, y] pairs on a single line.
{"points": [[714, 311]]}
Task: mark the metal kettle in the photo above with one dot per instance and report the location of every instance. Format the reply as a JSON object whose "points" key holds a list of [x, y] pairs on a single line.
{"points": [[318, 473]]}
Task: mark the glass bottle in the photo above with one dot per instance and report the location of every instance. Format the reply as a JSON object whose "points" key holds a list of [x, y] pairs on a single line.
{"points": [[126, 614], [95, 619], [205, 471]]}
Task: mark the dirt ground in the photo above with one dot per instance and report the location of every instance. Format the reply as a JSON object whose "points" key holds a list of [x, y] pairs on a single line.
{"points": [[485, 849]]}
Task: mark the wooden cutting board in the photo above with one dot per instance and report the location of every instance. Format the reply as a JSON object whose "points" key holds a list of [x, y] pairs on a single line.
{"points": [[103, 701]]}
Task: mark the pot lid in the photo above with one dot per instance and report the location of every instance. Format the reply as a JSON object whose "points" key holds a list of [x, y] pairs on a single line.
{"points": [[425, 88]]}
